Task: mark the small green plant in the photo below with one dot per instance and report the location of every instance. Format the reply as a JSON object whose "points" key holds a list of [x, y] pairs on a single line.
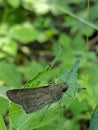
{"points": [[22, 121]]}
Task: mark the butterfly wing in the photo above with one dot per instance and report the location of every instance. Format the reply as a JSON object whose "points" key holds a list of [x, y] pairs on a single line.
{"points": [[14, 95], [31, 99], [34, 102]]}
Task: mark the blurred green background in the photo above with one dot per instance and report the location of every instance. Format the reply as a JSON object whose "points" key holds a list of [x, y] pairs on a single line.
{"points": [[31, 32]]}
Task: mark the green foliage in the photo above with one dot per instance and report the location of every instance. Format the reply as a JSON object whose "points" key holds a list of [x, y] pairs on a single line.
{"points": [[31, 32], [2, 124], [24, 33], [5, 105], [9, 74], [94, 120], [18, 116]]}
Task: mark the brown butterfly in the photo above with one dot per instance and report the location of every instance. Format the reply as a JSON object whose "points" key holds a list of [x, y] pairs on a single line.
{"points": [[32, 99]]}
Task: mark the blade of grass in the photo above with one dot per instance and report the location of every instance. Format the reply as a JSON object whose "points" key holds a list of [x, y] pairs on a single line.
{"points": [[77, 17]]}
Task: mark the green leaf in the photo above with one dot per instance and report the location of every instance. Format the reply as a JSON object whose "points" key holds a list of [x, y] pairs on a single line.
{"points": [[84, 21], [31, 69], [14, 3], [9, 74], [80, 46], [94, 120], [67, 46], [2, 124], [4, 103], [24, 33], [8, 47], [41, 6], [3, 90], [23, 121], [70, 77]]}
